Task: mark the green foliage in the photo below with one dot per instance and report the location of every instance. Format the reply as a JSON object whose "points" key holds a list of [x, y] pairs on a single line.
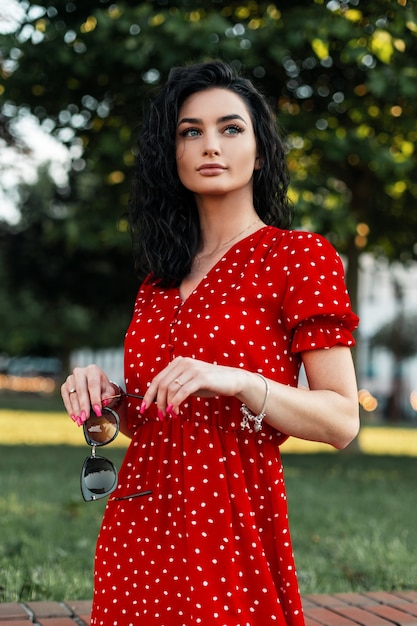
{"points": [[48, 273], [341, 75]]}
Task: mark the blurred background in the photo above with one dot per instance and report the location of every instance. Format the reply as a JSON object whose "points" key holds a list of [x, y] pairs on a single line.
{"points": [[74, 76]]}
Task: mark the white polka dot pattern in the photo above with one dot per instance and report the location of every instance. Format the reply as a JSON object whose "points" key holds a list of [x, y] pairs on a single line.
{"points": [[211, 545]]}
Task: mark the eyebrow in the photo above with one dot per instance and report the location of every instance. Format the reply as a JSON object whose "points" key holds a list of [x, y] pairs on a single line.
{"points": [[220, 120]]}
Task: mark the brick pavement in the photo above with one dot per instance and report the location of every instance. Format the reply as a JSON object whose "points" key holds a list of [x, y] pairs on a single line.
{"points": [[46, 613], [378, 608]]}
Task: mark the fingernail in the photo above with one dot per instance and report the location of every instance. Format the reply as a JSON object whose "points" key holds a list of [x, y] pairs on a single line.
{"points": [[142, 408], [72, 416], [169, 408], [83, 416], [161, 415], [97, 410], [78, 420], [105, 402]]}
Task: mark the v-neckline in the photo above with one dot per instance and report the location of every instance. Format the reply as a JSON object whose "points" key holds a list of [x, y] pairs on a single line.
{"points": [[213, 267]]}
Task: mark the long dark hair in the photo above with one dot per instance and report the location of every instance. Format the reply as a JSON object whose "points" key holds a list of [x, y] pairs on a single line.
{"points": [[164, 219]]}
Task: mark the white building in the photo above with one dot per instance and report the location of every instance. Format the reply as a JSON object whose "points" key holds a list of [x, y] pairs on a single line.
{"points": [[384, 291]]}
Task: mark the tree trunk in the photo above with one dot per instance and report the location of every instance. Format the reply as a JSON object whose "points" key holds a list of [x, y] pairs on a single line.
{"points": [[352, 284]]}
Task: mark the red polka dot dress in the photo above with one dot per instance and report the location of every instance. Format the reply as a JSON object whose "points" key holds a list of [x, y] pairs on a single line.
{"points": [[211, 544]]}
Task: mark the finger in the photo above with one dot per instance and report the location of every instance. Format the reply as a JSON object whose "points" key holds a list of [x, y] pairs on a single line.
{"points": [[83, 390], [93, 387], [67, 392], [78, 389], [180, 388], [157, 391], [97, 387], [80, 399], [179, 385]]}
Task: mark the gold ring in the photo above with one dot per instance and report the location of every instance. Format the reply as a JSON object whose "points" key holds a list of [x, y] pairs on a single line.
{"points": [[178, 382], [72, 391]]}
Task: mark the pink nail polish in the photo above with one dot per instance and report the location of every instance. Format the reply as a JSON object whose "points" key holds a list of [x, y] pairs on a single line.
{"points": [[78, 420], [169, 408], [97, 410], [72, 416], [83, 416], [160, 415], [105, 402], [142, 408]]}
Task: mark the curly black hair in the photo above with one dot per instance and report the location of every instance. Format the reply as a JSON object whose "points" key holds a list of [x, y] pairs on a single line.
{"points": [[163, 214]]}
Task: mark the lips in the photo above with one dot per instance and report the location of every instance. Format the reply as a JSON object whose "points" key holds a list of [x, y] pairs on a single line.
{"points": [[211, 169]]}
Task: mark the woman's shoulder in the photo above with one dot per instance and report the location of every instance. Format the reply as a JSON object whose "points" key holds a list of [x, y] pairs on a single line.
{"points": [[296, 241]]}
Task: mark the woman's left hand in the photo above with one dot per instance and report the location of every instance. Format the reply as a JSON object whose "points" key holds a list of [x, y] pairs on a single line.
{"points": [[185, 377]]}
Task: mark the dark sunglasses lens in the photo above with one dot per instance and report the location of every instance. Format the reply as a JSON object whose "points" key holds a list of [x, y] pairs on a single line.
{"points": [[98, 478], [99, 431]]}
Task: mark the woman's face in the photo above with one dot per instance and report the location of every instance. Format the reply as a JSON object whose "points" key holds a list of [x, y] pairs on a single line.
{"points": [[216, 150]]}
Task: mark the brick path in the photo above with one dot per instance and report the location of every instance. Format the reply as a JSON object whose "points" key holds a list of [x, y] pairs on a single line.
{"points": [[377, 608], [46, 613]]}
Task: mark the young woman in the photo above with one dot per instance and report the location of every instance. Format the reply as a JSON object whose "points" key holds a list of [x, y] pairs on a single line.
{"points": [[231, 304]]}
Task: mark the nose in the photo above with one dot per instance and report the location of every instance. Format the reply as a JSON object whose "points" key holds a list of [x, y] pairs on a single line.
{"points": [[211, 152], [211, 145]]}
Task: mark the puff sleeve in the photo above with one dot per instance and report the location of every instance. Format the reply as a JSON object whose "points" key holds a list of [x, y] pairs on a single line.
{"points": [[317, 308]]}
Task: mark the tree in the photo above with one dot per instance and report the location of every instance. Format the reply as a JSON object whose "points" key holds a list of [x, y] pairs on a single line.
{"points": [[359, 91], [45, 302], [341, 75]]}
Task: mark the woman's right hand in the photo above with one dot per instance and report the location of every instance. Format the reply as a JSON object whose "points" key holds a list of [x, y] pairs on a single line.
{"points": [[86, 387]]}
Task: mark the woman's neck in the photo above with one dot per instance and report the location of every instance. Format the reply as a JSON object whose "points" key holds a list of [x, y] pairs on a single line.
{"points": [[224, 220], [217, 238], [219, 241]]}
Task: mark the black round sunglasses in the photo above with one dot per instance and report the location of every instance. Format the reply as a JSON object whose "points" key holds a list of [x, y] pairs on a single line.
{"points": [[98, 474]]}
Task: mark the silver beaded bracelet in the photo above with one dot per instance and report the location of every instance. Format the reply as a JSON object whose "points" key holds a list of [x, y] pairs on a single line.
{"points": [[248, 416]]}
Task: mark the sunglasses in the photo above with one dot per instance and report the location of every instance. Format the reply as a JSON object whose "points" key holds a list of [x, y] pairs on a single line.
{"points": [[98, 474]]}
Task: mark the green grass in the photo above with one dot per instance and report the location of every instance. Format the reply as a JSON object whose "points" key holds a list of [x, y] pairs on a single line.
{"points": [[47, 531], [16, 401], [352, 519]]}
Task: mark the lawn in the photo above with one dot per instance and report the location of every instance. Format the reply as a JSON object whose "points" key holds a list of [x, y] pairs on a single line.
{"points": [[352, 517], [47, 531], [353, 520]]}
